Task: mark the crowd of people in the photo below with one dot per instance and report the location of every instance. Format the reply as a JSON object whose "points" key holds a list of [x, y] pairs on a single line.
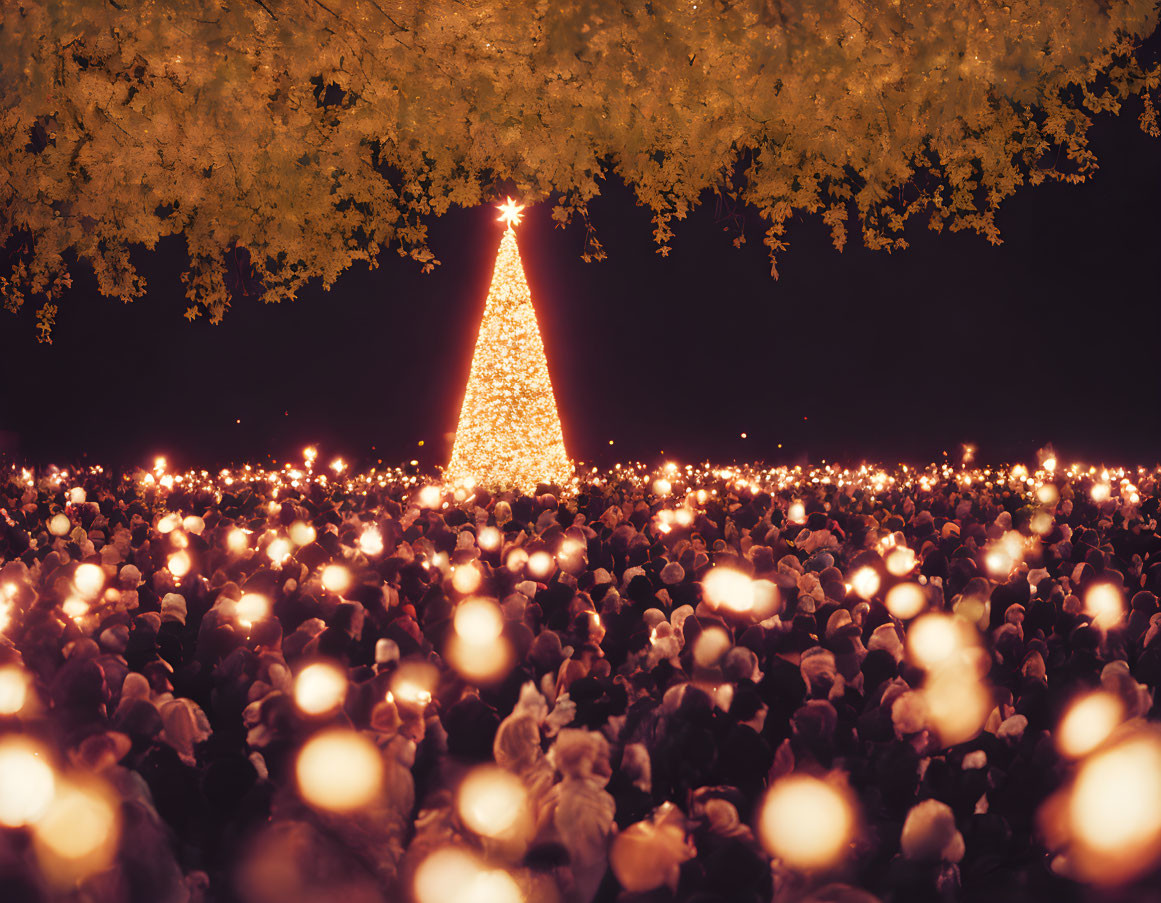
{"points": [[719, 685]]}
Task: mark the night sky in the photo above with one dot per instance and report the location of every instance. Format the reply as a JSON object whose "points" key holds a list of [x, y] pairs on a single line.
{"points": [[1055, 336]]}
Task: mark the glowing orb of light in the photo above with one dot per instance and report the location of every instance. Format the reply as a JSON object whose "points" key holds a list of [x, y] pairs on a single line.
{"points": [[180, 563], [711, 644], [489, 538], [454, 875], [336, 579], [958, 704], [429, 497], [252, 607], [1048, 494], [1088, 723], [1101, 492], [541, 564], [1105, 603], [302, 533], [806, 822], [900, 561], [168, 524], [516, 561], [477, 649], [570, 547], [493, 802], [767, 599], [193, 524], [78, 834], [796, 514], [865, 582], [478, 621], [27, 782], [74, 608], [1041, 523], [933, 640], [278, 550], [339, 770], [237, 540], [906, 600], [77, 496], [371, 541], [89, 579], [726, 588], [662, 486], [59, 525], [1114, 811], [510, 212], [998, 562], [13, 689], [320, 688], [466, 578]]}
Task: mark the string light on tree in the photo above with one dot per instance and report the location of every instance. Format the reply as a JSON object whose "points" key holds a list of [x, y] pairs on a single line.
{"points": [[509, 432]]}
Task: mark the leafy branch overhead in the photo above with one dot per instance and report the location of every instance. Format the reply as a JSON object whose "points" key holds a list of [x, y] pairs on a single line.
{"points": [[314, 134]]}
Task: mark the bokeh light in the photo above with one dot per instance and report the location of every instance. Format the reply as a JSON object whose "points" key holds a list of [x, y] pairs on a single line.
{"points": [[806, 822], [455, 875], [89, 580], [494, 803], [1088, 723], [336, 579], [726, 588], [1114, 811], [865, 582], [339, 770], [906, 600], [320, 688], [933, 640], [27, 782], [180, 563], [252, 607], [13, 689], [78, 833], [1105, 603]]}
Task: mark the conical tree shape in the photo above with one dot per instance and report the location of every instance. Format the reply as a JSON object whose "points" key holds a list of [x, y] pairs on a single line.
{"points": [[509, 432]]}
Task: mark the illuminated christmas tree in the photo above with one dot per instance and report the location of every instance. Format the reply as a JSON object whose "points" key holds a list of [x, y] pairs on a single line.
{"points": [[509, 432]]}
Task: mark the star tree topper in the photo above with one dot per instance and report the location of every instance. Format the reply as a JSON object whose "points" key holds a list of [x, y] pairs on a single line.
{"points": [[510, 212]]}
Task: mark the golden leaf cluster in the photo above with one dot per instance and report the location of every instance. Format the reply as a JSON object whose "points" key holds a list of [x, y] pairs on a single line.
{"points": [[317, 133]]}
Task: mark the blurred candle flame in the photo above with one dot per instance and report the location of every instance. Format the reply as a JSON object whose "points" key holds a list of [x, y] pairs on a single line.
{"points": [[806, 822], [339, 770], [320, 688]]}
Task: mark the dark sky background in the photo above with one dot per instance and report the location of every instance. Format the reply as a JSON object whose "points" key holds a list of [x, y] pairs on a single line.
{"points": [[1055, 336]]}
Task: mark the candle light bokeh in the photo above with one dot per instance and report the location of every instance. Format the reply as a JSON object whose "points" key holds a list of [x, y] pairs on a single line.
{"points": [[826, 668]]}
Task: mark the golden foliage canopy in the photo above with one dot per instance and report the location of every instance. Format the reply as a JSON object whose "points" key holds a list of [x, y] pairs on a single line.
{"points": [[315, 133]]}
